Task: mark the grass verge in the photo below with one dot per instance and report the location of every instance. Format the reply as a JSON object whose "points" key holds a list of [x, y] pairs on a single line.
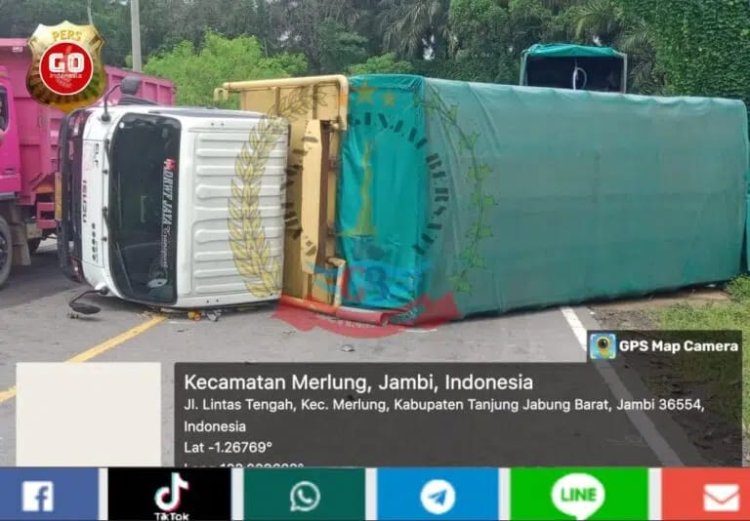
{"points": [[735, 315]]}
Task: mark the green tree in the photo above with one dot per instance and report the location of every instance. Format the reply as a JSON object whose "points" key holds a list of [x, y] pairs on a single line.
{"points": [[703, 46], [196, 71], [414, 28], [361, 17], [190, 20], [322, 30], [385, 64], [479, 40], [20, 19], [488, 36], [605, 22], [338, 47]]}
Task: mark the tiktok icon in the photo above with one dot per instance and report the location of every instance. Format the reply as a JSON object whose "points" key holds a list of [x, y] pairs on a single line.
{"points": [[173, 492], [167, 494]]}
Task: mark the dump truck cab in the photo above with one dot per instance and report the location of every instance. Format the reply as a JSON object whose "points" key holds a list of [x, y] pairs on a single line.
{"points": [[153, 199]]}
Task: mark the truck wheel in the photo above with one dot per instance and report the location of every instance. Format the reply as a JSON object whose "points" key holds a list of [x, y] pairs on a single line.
{"points": [[6, 251], [34, 245]]}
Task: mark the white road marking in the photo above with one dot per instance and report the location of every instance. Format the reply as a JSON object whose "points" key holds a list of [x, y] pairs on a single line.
{"points": [[575, 324], [648, 431], [419, 330]]}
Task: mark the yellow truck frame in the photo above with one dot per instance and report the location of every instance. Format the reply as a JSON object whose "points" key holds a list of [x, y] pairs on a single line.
{"points": [[316, 109]]}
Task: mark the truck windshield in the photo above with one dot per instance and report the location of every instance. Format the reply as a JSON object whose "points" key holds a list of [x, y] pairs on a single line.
{"points": [[142, 215]]}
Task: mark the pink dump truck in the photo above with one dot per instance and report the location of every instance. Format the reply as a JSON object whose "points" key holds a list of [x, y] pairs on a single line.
{"points": [[29, 157]]}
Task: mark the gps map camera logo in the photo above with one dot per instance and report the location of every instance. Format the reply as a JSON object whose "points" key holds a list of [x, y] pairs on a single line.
{"points": [[602, 346], [66, 71]]}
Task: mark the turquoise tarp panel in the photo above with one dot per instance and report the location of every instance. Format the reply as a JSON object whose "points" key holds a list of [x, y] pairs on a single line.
{"points": [[523, 197], [383, 194]]}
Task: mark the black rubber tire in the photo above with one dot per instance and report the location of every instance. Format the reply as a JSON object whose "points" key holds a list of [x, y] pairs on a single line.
{"points": [[34, 245], [6, 251]]}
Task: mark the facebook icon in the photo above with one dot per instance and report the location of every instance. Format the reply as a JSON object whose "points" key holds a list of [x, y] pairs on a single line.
{"points": [[49, 494], [38, 496]]}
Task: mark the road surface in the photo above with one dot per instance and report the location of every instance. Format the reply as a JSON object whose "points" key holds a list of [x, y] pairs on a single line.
{"points": [[35, 326]]}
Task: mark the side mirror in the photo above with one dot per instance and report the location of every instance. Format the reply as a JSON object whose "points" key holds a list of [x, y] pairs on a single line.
{"points": [[84, 308], [130, 85]]}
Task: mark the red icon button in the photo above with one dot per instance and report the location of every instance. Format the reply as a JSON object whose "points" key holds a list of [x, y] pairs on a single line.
{"points": [[705, 494]]}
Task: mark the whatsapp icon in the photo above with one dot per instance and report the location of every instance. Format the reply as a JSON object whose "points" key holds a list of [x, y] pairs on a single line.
{"points": [[304, 496]]}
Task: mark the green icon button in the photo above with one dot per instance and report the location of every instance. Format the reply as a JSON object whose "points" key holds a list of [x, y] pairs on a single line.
{"points": [[579, 493], [290, 494]]}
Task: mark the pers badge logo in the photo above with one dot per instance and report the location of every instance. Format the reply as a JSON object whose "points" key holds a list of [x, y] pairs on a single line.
{"points": [[66, 69]]}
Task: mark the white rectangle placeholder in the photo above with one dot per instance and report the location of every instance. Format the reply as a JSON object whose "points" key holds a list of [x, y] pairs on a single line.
{"points": [[88, 414]]}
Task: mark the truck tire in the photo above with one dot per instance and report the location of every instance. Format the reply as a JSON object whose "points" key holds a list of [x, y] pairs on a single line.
{"points": [[34, 245], [6, 251]]}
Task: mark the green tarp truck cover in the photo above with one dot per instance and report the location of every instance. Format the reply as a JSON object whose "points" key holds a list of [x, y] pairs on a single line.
{"points": [[503, 197], [569, 50]]}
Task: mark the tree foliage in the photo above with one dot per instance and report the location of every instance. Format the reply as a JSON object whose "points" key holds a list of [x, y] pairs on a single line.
{"points": [[19, 18], [608, 23], [698, 47], [416, 27], [197, 70], [488, 36], [384, 64], [703, 46]]}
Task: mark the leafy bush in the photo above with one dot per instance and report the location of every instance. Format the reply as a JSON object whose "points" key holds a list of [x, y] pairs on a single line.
{"points": [[198, 71], [383, 64]]}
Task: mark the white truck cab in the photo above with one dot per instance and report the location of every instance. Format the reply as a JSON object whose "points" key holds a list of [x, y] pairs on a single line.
{"points": [[174, 207]]}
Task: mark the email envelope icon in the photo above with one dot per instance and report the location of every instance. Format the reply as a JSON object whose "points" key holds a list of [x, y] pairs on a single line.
{"points": [[721, 498]]}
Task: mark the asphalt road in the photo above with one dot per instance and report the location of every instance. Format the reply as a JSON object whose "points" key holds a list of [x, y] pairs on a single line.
{"points": [[35, 327]]}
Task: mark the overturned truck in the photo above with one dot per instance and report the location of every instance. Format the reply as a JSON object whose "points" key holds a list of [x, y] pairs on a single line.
{"points": [[411, 199]]}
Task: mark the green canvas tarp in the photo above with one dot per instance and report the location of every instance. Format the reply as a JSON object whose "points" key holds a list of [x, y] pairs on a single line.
{"points": [[569, 50], [506, 197]]}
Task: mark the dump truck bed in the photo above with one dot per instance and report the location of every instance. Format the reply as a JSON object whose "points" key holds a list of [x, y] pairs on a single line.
{"points": [[500, 197]]}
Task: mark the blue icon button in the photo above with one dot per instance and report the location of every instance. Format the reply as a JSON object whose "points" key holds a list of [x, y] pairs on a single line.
{"points": [[438, 493], [54, 494]]}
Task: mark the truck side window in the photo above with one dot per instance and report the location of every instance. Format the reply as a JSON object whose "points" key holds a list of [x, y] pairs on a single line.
{"points": [[3, 109]]}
